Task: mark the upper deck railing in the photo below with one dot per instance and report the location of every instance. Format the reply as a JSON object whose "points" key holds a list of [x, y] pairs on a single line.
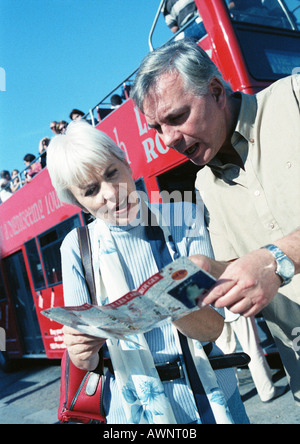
{"points": [[290, 19], [19, 181]]}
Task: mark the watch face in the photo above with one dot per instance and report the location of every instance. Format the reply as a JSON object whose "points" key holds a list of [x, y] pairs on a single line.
{"points": [[286, 269]]}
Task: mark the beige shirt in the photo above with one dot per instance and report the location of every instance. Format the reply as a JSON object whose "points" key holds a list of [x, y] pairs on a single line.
{"points": [[247, 209]]}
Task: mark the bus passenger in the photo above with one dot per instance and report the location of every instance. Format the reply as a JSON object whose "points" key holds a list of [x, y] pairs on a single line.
{"points": [[177, 13], [33, 168], [89, 170], [5, 192], [43, 145], [76, 114], [54, 127], [15, 184], [62, 126]]}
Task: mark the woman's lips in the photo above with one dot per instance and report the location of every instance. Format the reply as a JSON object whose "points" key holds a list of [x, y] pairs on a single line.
{"points": [[122, 207]]}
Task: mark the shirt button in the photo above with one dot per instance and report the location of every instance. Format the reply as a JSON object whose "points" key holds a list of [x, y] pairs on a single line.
{"points": [[251, 140], [256, 193], [271, 226], [288, 165]]}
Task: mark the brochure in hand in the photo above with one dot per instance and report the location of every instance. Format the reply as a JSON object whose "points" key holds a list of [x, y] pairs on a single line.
{"points": [[171, 294]]}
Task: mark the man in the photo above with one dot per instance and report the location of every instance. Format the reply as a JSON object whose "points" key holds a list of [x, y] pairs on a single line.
{"points": [[249, 148], [54, 128], [76, 114], [5, 175], [177, 13], [5, 192]]}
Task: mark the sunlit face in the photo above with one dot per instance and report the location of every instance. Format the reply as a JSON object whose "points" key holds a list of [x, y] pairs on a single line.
{"points": [[76, 116], [110, 193], [193, 126]]}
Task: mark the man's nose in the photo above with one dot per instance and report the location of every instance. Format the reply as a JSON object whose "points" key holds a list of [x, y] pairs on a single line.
{"points": [[171, 137]]}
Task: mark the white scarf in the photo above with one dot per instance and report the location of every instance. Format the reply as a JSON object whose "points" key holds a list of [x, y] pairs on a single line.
{"points": [[144, 400]]}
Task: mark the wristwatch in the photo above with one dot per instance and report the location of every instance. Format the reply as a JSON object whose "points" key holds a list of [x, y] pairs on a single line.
{"points": [[285, 267]]}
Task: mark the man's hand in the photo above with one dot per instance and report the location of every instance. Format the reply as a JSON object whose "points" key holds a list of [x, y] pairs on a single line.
{"points": [[247, 285], [83, 349]]}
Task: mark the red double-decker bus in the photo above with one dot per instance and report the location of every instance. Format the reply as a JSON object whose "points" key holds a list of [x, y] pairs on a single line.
{"points": [[252, 46]]}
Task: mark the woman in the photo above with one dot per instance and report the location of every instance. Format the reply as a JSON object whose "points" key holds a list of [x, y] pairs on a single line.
{"points": [[15, 184], [89, 170], [32, 168]]}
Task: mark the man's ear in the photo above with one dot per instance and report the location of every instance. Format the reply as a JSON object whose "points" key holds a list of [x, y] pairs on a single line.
{"points": [[217, 90]]}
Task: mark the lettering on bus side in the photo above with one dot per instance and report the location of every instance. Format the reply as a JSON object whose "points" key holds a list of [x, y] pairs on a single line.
{"points": [[2, 340], [121, 145], [30, 216], [153, 146]]}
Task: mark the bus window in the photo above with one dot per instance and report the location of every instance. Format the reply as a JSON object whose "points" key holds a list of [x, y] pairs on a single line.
{"points": [[3, 297], [35, 265], [265, 12], [140, 185], [278, 54], [50, 243], [268, 31]]}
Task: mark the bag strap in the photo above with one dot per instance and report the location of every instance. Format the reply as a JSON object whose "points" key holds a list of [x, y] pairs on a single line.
{"points": [[88, 271], [87, 262]]}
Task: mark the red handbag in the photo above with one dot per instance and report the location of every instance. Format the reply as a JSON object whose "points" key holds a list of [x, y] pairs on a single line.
{"points": [[81, 392]]}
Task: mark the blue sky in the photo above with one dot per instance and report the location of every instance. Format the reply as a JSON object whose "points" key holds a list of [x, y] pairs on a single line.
{"points": [[64, 54]]}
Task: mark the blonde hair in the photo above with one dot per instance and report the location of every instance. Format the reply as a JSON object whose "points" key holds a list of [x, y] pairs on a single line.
{"points": [[74, 157]]}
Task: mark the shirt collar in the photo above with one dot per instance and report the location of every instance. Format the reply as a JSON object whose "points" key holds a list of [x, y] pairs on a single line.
{"points": [[247, 116], [244, 129]]}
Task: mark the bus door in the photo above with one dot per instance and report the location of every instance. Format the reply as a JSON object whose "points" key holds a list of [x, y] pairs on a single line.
{"points": [[179, 182], [45, 270], [20, 291]]}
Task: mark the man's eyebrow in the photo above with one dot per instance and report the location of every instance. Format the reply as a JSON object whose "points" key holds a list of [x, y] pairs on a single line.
{"points": [[169, 116], [175, 112]]}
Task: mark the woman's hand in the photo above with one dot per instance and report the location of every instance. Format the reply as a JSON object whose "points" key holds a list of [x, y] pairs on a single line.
{"points": [[204, 325], [215, 268], [83, 349]]}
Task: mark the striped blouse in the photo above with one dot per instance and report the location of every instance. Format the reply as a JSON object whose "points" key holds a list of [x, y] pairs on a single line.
{"points": [[186, 225]]}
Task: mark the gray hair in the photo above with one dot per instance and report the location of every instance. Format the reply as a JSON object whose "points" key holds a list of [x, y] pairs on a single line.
{"points": [[76, 156], [183, 57]]}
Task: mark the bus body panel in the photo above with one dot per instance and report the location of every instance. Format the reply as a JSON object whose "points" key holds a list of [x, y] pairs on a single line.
{"points": [[33, 210]]}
